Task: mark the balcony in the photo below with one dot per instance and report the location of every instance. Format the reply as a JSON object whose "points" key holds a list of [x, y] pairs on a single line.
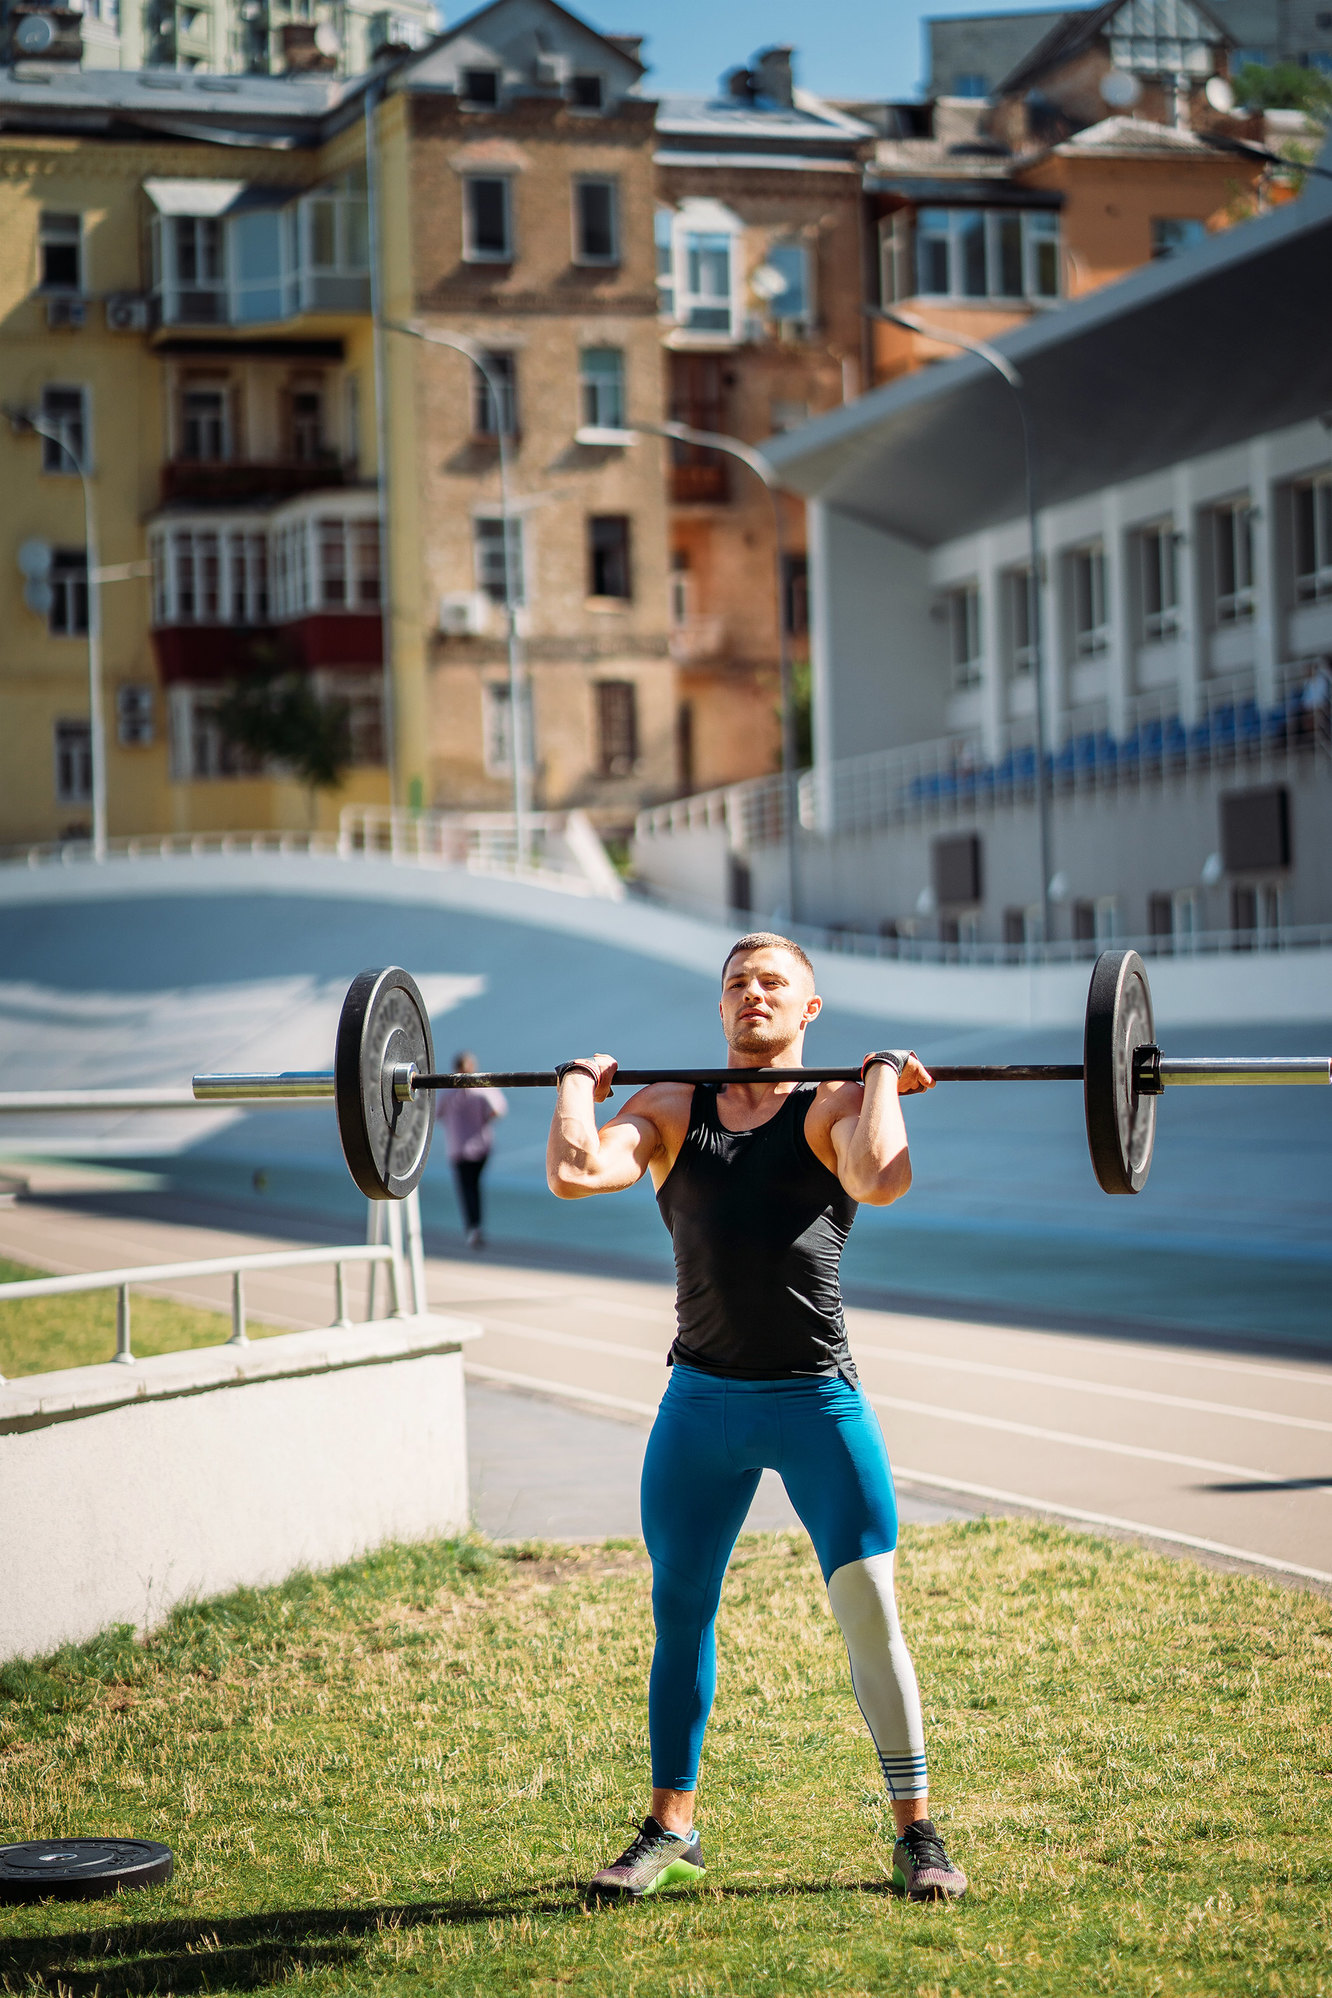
{"points": [[698, 640], [699, 479], [240, 482]]}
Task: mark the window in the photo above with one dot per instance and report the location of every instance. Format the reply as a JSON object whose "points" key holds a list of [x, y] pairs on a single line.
{"points": [[64, 412], [305, 442], [663, 230], [795, 594], [68, 615], [601, 381], [487, 235], [587, 92], [1313, 539], [970, 83], [595, 222], [199, 750], [205, 426], [1232, 556], [895, 280], [487, 421], [783, 283], [60, 251], [480, 86], [73, 763], [135, 726], [497, 729], [1091, 633], [1172, 233], [200, 269], [1020, 596], [680, 589], [979, 253], [617, 727], [1158, 576], [488, 554], [964, 632], [608, 555]]}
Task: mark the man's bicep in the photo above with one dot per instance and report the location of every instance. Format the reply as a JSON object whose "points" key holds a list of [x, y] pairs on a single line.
{"points": [[629, 1143]]}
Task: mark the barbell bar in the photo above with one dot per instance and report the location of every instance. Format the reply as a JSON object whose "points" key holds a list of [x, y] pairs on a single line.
{"points": [[384, 1076]]}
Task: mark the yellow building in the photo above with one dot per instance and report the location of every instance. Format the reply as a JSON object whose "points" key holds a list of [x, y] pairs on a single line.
{"points": [[185, 311]]}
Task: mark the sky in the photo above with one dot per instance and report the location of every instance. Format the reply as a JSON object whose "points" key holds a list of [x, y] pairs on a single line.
{"points": [[844, 48]]}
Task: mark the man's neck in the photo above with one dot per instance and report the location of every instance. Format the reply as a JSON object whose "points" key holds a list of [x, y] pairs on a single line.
{"points": [[740, 1059]]}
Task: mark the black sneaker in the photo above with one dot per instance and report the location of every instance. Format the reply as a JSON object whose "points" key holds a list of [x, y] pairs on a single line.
{"points": [[922, 1869], [655, 1859]]}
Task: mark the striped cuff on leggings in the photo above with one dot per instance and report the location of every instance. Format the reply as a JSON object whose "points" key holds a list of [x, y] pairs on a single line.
{"points": [[904, 1776]]}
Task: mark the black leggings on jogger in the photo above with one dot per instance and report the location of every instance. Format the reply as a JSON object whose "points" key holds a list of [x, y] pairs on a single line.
{"points": [[467, 1173]]}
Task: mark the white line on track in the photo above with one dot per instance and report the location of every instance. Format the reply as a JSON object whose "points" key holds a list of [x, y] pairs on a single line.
{"points": [[561, 1391], [991, 1370], [579, 1342], [1068, 1437]]}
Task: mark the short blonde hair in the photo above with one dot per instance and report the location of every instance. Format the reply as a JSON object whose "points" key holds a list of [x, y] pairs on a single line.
{"points": [[766, 940]]}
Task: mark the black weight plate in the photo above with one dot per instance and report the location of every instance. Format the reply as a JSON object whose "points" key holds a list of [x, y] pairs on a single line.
{"points": [[386, 1143], [1121, 1124], [80, 1869]]}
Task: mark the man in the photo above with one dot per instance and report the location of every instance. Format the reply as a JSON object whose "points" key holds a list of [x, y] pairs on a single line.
{"points": [[759, 1185], [467, 1116]]}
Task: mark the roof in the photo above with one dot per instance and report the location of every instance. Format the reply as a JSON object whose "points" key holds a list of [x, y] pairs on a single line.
{"points": [[1078, 31], [725, 123], [235, 110], [1123, 136], [1188, 355]]}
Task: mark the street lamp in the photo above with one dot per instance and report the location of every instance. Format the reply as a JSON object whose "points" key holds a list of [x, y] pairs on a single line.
{"points": [[96, 715], [471, 351], [733, 447], [1007, 373]]}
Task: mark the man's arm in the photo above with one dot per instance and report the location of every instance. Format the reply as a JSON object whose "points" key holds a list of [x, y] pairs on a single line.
{"points": [[869, 1138], [580, 1159]]}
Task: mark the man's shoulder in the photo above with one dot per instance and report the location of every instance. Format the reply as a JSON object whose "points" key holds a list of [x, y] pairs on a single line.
{"points": [[832, 1100]]}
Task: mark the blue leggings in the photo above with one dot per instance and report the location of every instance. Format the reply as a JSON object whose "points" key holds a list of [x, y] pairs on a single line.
{"points": [[711, 1440]]}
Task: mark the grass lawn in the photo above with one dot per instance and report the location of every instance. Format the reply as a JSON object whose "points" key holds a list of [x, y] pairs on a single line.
{"points": [[39, 1335], [393, 1779]]}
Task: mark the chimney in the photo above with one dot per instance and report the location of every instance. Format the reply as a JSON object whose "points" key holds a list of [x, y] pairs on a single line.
{"points": [[772, 75], [303, 52], [629, 45]]}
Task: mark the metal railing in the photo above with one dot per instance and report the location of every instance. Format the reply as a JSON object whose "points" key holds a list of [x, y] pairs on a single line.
{"points": [[956, 774], [564, 850], [234, 1266]]}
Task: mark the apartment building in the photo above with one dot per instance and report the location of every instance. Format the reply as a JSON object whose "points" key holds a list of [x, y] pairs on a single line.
{"points": [[216, 37], [761, 277], [524, 149], [1180, 621], [184, 315]]}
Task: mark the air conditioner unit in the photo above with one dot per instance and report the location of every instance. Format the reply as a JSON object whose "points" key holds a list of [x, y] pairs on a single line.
{"points": [[66, 310], [551, 69], [126, 312], [465, 615]]}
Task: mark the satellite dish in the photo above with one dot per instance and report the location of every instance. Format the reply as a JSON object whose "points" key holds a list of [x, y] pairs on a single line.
{"points": [[35, 34], [768, 282], [327, 39], [1120, 90], [1220, 94], [35, 558]]}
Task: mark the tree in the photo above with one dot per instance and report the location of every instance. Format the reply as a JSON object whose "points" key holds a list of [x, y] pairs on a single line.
{"points": [[1284, 86], [276, 716]]}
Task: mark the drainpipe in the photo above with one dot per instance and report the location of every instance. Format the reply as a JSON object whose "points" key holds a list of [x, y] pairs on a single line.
{"points": [[373, 184]]}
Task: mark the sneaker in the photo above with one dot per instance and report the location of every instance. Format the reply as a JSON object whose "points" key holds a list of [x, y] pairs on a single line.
{"points": [[655, 1859], [922, 1869], [475, 1239]]}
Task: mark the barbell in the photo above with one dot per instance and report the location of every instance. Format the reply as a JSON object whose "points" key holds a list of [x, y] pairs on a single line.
{"points": [[383, 1077]]}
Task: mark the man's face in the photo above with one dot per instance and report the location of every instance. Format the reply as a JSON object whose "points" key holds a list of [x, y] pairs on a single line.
{"points": [[767, 1001]]}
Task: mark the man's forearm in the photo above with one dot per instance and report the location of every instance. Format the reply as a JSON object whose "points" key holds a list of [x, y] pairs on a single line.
{"points": [[878, 1167], [574, 1143]]}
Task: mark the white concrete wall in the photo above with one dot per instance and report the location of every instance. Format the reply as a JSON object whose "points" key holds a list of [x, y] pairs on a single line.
{"points": [[127, 1490], [879, 657]]}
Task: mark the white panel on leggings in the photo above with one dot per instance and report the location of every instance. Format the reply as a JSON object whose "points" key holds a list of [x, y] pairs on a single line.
{"points": [[861, 1594]]}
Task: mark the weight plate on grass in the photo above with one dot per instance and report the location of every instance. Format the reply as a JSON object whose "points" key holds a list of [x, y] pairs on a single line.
{"points": [[80, 1869], [383, 1022], [1121, 1123]]}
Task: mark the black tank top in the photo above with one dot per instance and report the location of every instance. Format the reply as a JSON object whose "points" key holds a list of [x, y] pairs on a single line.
{"points": [[759, 1225]]}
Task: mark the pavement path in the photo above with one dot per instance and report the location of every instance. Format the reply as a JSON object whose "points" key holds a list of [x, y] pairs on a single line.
{"points": [[1227, 1453]]}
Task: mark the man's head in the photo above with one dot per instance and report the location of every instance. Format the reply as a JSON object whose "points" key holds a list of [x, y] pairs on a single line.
{"points": [[768, 997], [464, 1063]]}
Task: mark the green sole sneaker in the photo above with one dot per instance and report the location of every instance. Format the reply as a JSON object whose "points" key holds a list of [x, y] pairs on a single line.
{"points": [[652, 1862], [922, 1870]]}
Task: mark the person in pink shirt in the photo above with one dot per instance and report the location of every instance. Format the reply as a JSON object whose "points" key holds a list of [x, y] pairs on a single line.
{"points": [[467, 1116]]}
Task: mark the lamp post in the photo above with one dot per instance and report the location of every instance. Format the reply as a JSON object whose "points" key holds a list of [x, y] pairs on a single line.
{"points": [[460, 344], [96, 713], [1007, 373], [734, 447]]}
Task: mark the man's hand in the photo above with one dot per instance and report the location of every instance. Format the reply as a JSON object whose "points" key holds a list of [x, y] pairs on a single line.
{"points": [[912, 1074], [603, 1067]]}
